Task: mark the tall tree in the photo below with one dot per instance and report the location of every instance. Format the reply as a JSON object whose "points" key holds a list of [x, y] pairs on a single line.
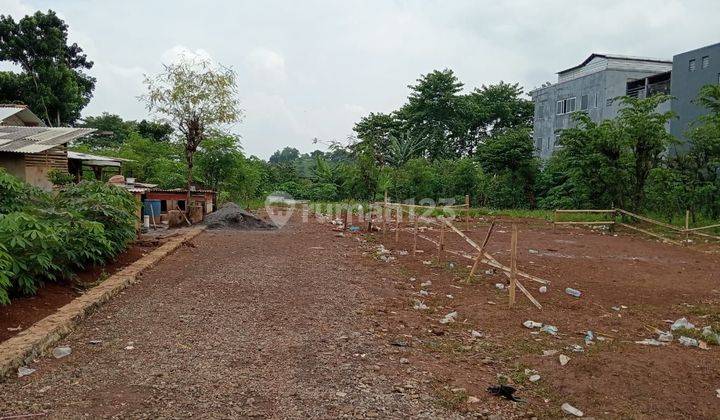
{"points": [[52, 82], [195, 98]]}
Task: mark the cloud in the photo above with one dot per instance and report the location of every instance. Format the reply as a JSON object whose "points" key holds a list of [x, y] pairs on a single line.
{"points": [[181, 53], [15, 8], [267, 65]]}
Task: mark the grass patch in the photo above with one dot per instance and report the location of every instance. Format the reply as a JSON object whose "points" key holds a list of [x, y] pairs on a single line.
{"points": [[452, 400], [696, 334]]}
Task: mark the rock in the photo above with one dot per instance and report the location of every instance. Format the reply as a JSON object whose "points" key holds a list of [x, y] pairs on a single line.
{"points": [[703, 345], [61, 351], [499, 286], [533, 251], [341, 394], [404, 361], [682, 323], [549, 352], [424, 293], [563, 360], [475, 400], [717, 391], [476, 334], [129, 347], [569, 409], [542, 289], [534, 378], [449, 318], [490, 272], [426, 283], [339, 235], [95, 342], [25, 371]]}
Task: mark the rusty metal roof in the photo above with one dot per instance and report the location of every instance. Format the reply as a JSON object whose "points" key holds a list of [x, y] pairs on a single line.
{"points": [[37, 139]]}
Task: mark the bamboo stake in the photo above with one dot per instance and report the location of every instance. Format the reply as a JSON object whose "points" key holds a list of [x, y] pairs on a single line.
{"points": [[398, 216], [415, 232], [441, 244], [646, 219], [467, 212], [482, 250], [513, 265], [647, 232], [703, 228], [384, 215], [490, 260], [687, 224]]}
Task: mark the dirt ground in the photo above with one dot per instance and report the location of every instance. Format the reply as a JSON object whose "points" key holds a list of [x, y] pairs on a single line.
{"points": [[302, 323], [25, 311]]}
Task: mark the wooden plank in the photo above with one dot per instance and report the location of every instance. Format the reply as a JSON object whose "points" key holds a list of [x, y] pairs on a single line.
{"points": [[609, 222], [489, 260], [703, 228], [649, 220], [647, 232], [513, 265], [482, 250], [584, 211]]}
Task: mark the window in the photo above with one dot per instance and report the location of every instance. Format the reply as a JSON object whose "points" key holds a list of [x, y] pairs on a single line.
{"points": [[691, 65], [584, 102], [705, 62], [608, 102], [538, 143], [569, 105], [560, 107], [596, 99]]}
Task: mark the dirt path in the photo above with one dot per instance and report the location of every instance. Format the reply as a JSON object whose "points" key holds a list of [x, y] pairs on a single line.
{"points": [[272, 324]]}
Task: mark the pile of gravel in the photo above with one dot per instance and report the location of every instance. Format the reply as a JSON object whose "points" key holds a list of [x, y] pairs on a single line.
{"points": [[232, 216]]}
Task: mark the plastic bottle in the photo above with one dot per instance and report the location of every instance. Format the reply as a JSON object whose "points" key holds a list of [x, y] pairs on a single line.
{"points": [[573, 292]]}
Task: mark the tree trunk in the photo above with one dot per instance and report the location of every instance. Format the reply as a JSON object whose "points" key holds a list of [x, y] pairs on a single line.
{"points": [[189, 156]]}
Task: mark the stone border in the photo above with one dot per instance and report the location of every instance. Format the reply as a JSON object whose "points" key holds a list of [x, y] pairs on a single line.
{"points": [[34, 341]]}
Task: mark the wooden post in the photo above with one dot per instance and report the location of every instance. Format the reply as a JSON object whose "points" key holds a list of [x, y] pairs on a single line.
{"points": [[555, 219], [398, 216], [344, 215], [481, 252], [441, 244], [467, 212], [687, 225], [384, 214], [415, 232], [513, 264]]}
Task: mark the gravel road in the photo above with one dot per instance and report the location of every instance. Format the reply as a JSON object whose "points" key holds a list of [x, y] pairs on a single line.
{"points": [[237, 324]]}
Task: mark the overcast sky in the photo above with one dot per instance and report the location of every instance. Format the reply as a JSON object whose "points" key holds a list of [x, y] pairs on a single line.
{"points": [[313, 68]]}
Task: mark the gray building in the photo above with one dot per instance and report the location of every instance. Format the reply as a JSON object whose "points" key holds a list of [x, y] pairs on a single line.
{"points": [[590, 87], [691, 71]]}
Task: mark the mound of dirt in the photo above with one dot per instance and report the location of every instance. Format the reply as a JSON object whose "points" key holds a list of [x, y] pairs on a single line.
{"points": [[232, 216]]}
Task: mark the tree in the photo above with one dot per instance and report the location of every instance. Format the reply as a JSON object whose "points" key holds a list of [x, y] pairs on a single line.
{"points": [[155, 130], [644, 127], [219, 159], [52, 82], [196, 98], [286, 155], [112, 130]]}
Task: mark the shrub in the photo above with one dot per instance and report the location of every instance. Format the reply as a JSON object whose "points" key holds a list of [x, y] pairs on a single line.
{"points": [[47, 238], [60, 178]]}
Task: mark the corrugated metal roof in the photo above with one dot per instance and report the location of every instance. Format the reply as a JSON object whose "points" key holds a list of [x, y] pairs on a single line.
{"points": [[37, 139], [22, 112], [617, 57], [87, 156]]}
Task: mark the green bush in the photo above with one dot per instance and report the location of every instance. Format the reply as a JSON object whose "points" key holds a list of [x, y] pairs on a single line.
{"points": [[46, 239], [60, 178]]}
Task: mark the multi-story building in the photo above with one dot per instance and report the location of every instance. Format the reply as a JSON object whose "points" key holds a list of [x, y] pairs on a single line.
{"points": [[593, 86], [590, 87], [691, 71]]}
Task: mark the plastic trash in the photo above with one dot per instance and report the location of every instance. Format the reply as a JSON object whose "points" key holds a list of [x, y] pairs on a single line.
{"points": [[664, 336], [689, 342], [532, 324], [682, 323], [573, 292], [354, 228], [708, 333], [651, 342], [534, 378], [62, 351], [550, 329], [543, 289], [499, 286], [569, 409], [24, 371], [420, 306], [449, 318], [426, 283], [589, 337], [476, 334]]}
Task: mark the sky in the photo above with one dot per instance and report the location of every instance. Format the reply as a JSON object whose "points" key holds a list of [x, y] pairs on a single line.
{"points": [[311, 69]]}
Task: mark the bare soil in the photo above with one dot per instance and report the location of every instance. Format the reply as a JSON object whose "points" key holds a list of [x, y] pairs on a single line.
{"points": [[299, 322], [25, 311]]}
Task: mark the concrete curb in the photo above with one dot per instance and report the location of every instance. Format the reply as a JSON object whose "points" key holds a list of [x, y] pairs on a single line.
{"points": [[34, 341]]}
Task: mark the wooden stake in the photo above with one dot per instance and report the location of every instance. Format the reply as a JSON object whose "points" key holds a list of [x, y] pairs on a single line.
{"points": [[687, 224], [384, 214], [482, 250], [415, 232], [467, 212], [398, 216], [490, 260], [513, 264], [441, 244]]}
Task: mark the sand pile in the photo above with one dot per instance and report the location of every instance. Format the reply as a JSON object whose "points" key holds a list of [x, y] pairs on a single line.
{"points": [[232, 216]]}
